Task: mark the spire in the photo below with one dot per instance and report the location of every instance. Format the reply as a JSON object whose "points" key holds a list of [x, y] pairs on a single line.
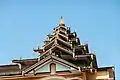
{"points": [[62, 22]]}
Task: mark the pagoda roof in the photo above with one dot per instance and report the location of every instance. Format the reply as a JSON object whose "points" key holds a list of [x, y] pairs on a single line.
{"points": [[62, 48]]}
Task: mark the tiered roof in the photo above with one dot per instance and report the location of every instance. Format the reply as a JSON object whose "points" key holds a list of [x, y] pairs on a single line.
{"points": [[66, 45], [61, 47]]}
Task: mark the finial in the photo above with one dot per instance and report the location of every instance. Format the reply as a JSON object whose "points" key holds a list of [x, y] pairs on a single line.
{"points": [[62, 21], [61, 17]]}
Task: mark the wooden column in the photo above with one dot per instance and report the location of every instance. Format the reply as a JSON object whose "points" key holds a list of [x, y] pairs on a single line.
{"points": [[53, 68]]}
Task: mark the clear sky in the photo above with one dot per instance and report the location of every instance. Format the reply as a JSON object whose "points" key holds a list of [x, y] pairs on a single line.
{"points": [[24, 25]]}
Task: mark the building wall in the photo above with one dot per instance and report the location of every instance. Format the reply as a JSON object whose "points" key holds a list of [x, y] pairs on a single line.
{"points": [[100, 75], [61, 76]]}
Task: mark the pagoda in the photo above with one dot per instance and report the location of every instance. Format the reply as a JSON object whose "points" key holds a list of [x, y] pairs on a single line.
{"points": [[62, 57]]}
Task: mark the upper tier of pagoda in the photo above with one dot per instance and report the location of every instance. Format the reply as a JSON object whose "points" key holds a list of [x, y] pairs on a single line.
{"points": [[65, 44]]}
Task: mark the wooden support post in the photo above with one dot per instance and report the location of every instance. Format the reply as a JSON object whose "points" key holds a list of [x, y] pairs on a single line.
{"points": [[50, 51], [23, 74], [73, 52], [79, 69], [53, 68]]}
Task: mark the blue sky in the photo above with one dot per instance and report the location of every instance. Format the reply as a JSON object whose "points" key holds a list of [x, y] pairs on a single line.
{"points": [[24, 25]]}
